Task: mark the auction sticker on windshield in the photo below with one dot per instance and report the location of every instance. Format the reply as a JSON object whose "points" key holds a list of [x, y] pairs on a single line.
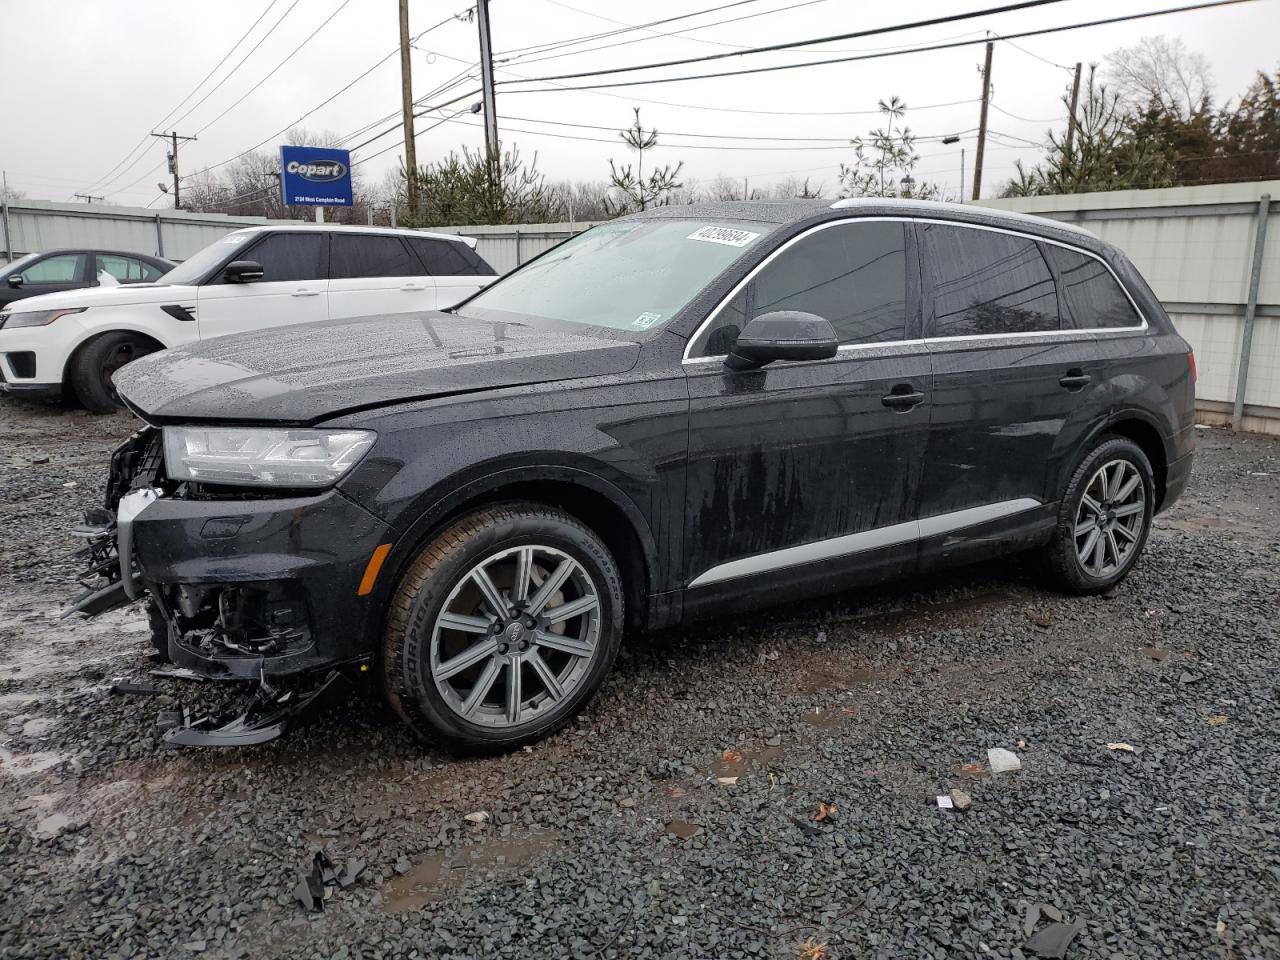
{"points": [[729, 236]]}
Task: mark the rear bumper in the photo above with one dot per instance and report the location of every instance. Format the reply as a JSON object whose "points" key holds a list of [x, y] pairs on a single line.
{"points": [[255, 588]]}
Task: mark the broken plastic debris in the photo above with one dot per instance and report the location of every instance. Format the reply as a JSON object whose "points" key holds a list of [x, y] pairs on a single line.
{"points": [[1003, 761], [944, 802], [727, 781], [1120, 747], [480, 816], [317, 883]]}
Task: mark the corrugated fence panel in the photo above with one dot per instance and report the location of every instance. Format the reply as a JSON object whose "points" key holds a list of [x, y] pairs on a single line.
{"points": [[506, 247], [1195, 246]]}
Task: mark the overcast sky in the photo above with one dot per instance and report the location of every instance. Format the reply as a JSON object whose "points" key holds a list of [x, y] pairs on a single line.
{"points": [[87, 80]]}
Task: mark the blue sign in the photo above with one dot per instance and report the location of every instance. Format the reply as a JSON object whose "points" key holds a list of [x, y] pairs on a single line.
{"points": [[315, 176]]}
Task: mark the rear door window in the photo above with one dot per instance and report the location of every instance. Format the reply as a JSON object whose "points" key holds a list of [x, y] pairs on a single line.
{"points": [[289, 256], [1093, 296], [449, 258], [986, 282], [127, 269], [365, 255]]}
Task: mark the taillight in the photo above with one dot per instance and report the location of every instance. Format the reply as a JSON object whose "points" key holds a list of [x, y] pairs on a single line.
{"points": [[1191, 359]]}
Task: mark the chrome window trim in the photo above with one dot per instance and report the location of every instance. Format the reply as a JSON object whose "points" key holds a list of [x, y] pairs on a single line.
{"points": [[876, 538], [737, 288]]}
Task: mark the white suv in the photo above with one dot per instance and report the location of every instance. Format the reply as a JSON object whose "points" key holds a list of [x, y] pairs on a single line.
{"points": [[248, 280]]}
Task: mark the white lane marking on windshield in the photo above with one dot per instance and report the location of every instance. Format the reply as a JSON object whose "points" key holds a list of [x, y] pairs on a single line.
{"points": [[646, 320], [725, 235]]}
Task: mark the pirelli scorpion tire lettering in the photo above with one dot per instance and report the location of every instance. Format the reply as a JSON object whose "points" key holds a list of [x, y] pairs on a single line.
{"points": [[502, 628]]}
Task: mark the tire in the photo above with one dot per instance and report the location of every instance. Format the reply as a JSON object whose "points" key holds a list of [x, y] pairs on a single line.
{"points": [[96, 363], [1077, 561], [432, 672]]}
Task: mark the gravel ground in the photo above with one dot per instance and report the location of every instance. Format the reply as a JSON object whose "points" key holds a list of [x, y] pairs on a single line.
{"points": [[617, 838]]}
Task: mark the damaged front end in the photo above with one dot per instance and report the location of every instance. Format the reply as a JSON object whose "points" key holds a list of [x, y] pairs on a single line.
{"points": [[240, 585]]}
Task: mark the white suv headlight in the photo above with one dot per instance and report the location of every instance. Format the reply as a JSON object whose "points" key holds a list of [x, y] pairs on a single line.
{"points": [[257, 457]]}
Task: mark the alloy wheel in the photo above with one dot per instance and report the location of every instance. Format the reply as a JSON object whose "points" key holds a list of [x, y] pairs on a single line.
{"points": [[516, 636], [1109, 518]]}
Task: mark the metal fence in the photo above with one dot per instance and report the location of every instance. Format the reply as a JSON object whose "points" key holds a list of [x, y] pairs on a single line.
{"points": [[506, 247], [1212, 255], [28, 226]]}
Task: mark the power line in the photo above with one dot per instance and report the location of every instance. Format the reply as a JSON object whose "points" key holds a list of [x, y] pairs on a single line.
{"points": [[216, 87], [554, 44], [796, 44], [203, 81], [995, 106], [875, 56], [323, 103], [257, 86]]}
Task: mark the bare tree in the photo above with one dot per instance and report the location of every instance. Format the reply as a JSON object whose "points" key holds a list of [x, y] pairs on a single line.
{"points": [[793, 188], [632, 189], [8, 193], [1160, 72]]}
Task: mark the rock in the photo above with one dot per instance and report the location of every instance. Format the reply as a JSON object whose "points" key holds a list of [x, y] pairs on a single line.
{"points": [[961, 800], [53, 826]]}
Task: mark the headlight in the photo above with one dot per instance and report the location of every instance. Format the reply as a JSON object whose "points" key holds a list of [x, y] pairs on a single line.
{"points": [[37, 318], [255, 457]]}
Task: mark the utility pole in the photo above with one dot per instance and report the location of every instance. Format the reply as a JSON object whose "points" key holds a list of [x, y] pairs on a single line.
{"points": [[406, 96], [486, 79], [87, 197], [1071, 120], [173, 138], [982, 123]]}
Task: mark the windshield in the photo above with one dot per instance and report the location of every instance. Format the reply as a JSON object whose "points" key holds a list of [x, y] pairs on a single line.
{"points": [[193, 269], [634, 275]]}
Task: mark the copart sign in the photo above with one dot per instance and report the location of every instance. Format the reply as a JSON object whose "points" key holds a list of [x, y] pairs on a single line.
{"points": [[315, 176]]}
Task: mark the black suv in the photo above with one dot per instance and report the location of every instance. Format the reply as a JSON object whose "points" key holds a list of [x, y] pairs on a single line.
{"points": [[690, 410]]}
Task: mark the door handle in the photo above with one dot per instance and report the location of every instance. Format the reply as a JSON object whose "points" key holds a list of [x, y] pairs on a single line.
{"points": [[306, 293], [413, 287], [902, 397], [1076, 379]]}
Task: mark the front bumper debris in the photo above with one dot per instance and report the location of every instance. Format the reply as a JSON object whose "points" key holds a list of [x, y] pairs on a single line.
{"points": [[271, 713], [241, 585]]}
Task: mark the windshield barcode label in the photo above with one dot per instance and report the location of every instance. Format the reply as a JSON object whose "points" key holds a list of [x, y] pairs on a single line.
{"points": [[726, 235]]}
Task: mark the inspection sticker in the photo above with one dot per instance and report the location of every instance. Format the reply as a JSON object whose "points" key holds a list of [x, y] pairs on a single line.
{"points": [[726, 235], [646, 320]]}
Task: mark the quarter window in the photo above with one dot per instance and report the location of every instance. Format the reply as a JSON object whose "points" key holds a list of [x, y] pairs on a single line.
{"points": [[985, 282], [362, 256], [127, 269], [1094, 298], [64, 268], [853, 275], [289, 256], [449, 258]]}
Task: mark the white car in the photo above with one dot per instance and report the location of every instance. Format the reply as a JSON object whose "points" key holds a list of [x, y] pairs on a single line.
{"points": [[251, 279]]}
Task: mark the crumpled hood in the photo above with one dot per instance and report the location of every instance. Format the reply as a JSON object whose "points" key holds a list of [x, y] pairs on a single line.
{"points": [[123, 295], [302, 373]]}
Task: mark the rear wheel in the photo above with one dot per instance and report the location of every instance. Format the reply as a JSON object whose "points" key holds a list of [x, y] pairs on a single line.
{"points": [[502, 629], [94, 367], [1104, 518]]}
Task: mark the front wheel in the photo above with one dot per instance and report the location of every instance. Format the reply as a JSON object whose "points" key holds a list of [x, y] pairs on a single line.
{"points": [[1104, 518], [94, 368], [502, 629]]}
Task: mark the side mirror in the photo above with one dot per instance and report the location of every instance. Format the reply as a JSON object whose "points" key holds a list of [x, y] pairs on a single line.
{"points": [[15, 281], [782, 335], [243, 271]]}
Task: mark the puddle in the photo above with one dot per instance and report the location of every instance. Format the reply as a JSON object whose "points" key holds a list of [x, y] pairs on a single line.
{"points": [[26, 764], [738, 762], [950, 614], [682, 829], [817, 679], [438, 874]]}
